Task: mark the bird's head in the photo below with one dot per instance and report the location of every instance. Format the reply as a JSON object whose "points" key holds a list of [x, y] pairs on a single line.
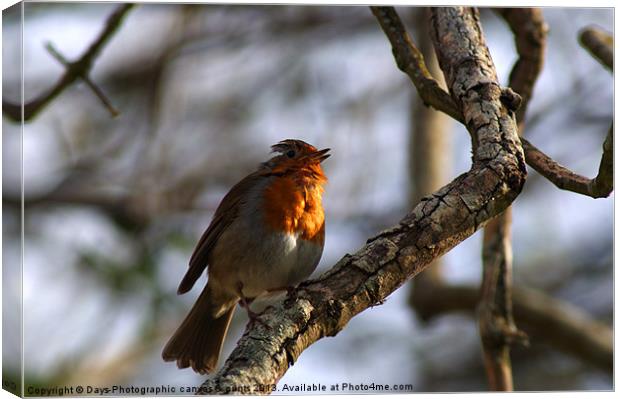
{"points": [[297, 156]]}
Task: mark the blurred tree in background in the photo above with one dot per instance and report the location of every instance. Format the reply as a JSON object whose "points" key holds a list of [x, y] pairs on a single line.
{"points": [[114, 205]]}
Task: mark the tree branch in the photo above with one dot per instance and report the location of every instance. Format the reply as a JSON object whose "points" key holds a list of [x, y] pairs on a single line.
{"points": [[495, 315], [555, 322], [530, 31], [84, 76], [600, 44], [323, 307], [599, 187], [530, 40], [79, 69], [411, 61], [133, 210]]}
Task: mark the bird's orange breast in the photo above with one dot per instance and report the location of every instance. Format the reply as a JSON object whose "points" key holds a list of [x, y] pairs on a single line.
{"points": [[294, 208]]}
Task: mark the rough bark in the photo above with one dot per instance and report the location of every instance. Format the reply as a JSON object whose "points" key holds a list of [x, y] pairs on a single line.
{"points": [[495, 316], [563, 321], [409, 58], [323, 307]]}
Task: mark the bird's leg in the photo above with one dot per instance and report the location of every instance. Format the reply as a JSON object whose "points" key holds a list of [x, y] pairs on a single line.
{"points": [[245, 303]]}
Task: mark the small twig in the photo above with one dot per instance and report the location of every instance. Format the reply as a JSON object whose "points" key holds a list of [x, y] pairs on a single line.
{"points": [[600, 44], [411, 61], [599, 187], [79, 69], [98, 92]]}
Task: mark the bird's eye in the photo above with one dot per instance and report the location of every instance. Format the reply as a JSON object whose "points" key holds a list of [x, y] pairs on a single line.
{"points": [[290, 154]]}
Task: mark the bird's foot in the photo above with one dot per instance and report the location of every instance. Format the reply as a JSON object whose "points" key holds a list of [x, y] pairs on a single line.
{"points": [[253, 316]]}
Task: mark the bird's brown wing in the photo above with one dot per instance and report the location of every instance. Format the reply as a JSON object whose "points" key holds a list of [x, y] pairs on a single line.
{"points": [[225, 213]]}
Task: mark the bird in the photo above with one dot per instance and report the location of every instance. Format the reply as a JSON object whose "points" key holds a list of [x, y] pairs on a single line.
{"points": [[266, 235]]}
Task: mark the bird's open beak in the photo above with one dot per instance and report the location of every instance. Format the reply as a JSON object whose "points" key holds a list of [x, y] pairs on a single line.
{"points": [[321, 155]]}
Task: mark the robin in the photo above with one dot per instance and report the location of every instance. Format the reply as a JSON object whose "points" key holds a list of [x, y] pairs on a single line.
{"points": [[267, 234]]}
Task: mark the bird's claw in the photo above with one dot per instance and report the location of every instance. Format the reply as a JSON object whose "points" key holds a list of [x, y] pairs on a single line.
{"points": [[255, 318]]}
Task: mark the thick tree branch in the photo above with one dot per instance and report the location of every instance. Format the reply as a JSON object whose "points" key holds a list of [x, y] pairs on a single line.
{"points": [[411, 61], [600, 44], [599, 187], [323, 307], [75, 70], [544, 318], [495, 315]]}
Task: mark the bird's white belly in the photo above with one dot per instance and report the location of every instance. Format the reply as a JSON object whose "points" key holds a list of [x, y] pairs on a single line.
{"points": [[258, 259], [287, 260]]}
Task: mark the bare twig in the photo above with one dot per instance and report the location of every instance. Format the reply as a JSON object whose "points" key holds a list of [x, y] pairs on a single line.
{"points": [[411, 61], [599, 187], [530, 30], [122, 209], [600, 44], [79, 69], [323, 307], [134, 210], [98, 92]]}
